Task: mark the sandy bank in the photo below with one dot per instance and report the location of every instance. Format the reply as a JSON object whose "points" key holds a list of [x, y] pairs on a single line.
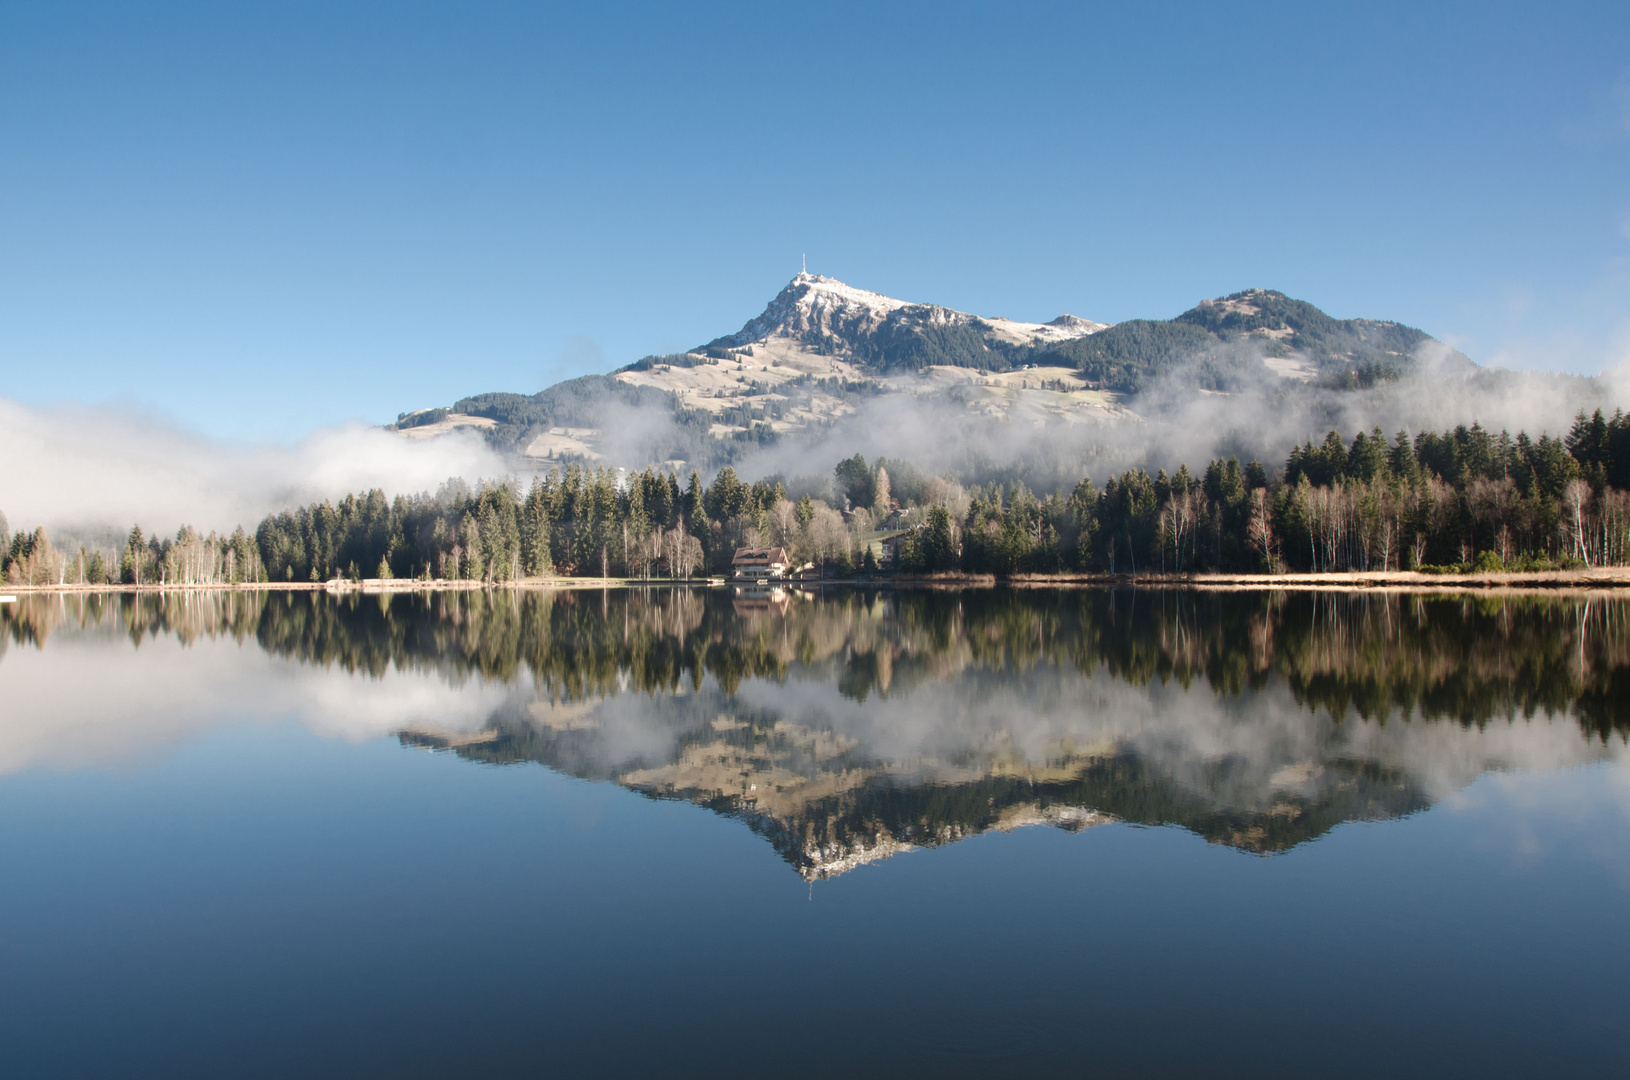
{"points": [[1602, 579]]}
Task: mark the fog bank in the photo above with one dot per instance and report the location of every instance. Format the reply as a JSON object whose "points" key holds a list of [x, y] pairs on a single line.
{"points": [[81, 467], [1261, 417]]}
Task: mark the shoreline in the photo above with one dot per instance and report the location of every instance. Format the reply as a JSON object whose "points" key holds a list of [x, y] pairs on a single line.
{"points": [[1606, 579]]}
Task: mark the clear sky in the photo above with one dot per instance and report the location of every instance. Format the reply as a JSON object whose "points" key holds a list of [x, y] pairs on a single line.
{"points": [[258, 219]]}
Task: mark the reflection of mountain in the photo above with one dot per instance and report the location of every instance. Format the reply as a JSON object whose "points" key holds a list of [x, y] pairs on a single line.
{"points": [[846, 728], [828, 804]]}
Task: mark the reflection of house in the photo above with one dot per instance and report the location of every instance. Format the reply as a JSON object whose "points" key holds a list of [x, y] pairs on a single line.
{"points": [[759, 600], [758, 564]]}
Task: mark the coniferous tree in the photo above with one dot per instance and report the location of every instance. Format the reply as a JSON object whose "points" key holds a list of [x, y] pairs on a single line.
{"points": [[939, 544], [133, 565]]}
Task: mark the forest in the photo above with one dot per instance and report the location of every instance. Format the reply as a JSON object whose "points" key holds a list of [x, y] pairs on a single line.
{"points": [[1452, 501]]}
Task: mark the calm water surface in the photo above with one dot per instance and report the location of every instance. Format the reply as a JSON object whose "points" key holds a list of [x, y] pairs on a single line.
{"points": [[1150, 833]]}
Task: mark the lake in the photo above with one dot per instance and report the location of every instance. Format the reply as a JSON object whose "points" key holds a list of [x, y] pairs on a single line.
{"points": [[700, 832]]}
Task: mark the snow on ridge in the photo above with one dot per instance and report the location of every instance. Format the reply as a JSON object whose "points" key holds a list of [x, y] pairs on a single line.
{"points": [[1063, 328], [813, 306], [847, 294]]}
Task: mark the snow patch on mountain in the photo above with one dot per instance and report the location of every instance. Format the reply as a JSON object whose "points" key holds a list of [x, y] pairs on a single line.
{"points": [[815, 309]]}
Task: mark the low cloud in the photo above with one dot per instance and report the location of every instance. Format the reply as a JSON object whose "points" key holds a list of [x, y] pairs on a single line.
{"points": [[80, 467], [1261, 417]]}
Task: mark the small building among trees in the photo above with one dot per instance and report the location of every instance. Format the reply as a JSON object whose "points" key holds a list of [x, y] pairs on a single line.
{"points": [[887, 549]]}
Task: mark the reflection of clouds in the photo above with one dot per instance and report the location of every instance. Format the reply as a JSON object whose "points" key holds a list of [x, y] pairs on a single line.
{"points": [[1591, 804], [1241, 752], [85, 701], [628, 730], [1267, 741], [358, 707], [1444, 757], [1259, 770]]}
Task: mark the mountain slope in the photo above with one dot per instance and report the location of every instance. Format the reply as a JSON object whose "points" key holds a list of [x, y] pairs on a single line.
{"points": [[821, 348], [1235, 336]]}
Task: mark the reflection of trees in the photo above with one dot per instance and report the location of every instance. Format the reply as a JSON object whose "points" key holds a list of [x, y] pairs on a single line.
{"points": [[187, 616], [1466, 659], [828, 802]]}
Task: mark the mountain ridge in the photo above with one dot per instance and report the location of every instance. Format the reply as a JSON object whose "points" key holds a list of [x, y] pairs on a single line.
{"points": [[816, 310], [821, 348]]}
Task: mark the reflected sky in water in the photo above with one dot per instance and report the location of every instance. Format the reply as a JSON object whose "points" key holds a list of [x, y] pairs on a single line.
{"points": [[976, 833]]}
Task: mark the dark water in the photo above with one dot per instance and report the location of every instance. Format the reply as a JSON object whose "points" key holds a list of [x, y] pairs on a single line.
{"points": [[693, 833]]}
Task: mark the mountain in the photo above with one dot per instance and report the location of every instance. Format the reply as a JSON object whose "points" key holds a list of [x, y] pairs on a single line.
{"points": [[822, 348], [820, 316], [1257, 327]]}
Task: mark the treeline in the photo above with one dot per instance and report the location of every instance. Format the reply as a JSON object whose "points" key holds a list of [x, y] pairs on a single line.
{"points": [[188, 558], [1465, 498], [1462, 498], [572, 521], [569, 522], [1459, 499]]}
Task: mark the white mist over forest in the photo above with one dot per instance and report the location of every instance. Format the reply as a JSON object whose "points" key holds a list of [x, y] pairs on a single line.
{"points": [[84, 469], [1178, 424]]}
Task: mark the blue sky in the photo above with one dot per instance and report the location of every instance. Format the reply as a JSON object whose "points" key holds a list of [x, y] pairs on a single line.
{"points": [[261, 219]]}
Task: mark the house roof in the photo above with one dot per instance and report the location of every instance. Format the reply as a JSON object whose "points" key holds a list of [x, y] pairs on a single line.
{"points": [[760, 555]]}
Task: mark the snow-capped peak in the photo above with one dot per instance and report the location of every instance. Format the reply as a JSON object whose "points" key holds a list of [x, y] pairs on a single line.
{"points": [[816, 306], [819, 289], [813, 307]]}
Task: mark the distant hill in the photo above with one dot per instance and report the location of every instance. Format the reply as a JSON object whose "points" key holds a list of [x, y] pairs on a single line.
{"points": [[1305, 341], [820, 348]]}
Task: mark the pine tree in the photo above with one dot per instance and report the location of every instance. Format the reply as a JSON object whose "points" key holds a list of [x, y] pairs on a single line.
{"points": [[535, 557], [135, 557], [938, 544]]}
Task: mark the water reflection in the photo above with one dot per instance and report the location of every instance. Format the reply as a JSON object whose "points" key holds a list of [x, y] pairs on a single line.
{"points": [[848, 727]]}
